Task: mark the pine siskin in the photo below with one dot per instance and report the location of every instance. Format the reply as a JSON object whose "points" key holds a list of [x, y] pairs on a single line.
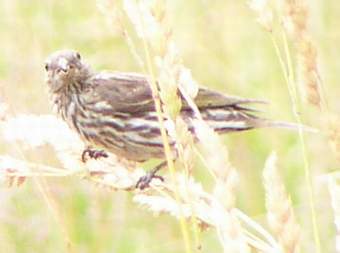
{"points": [[115, 111]]}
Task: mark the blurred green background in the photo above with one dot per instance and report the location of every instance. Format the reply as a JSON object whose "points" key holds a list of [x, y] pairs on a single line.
{"points": [[227, 50]]}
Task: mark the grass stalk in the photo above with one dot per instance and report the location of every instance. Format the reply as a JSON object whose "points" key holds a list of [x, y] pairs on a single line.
{"points": [[167, 148], [288, 73]]}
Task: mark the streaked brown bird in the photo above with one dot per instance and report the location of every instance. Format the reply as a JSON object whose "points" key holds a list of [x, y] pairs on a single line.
{"points": [[115, 111]]}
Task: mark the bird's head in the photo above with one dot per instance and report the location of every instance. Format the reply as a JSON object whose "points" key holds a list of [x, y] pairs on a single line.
{"points": [[63, 68]]}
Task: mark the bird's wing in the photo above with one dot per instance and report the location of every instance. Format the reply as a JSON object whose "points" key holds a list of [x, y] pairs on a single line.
{"points": [[125, 92], [210, 99], [131, 93]]}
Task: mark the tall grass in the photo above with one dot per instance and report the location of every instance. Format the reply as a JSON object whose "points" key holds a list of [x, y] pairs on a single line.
{"points": [[211, 187]]}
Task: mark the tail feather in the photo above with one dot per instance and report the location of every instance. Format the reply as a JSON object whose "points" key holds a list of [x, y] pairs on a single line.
{"points": [[287, 125], [237, 118], [230, 114]]}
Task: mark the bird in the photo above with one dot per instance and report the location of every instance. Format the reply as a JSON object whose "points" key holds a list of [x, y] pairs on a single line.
{"points": [[115, 111]]}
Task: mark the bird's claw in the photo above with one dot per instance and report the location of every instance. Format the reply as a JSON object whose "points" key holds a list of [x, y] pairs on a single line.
{"points": [[144, 181], [93, 154]]}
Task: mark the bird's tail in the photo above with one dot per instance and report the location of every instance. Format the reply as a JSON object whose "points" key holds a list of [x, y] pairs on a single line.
{"points": [[287, 125], [241, 119], [238, 117]]}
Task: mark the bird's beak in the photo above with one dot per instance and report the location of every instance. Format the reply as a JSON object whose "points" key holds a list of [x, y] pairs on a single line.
{"points": [[63, 64]]}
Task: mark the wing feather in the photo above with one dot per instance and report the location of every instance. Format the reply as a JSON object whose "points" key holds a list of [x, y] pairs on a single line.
{"points": [[131, 93], [125, 92]]}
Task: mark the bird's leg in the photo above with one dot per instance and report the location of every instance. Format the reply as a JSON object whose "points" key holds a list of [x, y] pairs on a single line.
{"points": [[93, 154], [145, 181]]}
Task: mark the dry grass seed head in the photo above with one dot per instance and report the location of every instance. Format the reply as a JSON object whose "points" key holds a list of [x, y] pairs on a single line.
{"points": [[264, 12], [294, 15], [333, 129], [309, 73], [224, 173], [279, 209]]}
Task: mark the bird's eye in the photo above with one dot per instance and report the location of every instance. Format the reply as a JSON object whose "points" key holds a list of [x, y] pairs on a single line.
{"points": [[46, 67], [78, 56]]}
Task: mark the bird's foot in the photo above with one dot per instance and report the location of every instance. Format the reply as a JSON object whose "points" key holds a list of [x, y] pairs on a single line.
{"points": [[144, 181], [93, 154]]}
